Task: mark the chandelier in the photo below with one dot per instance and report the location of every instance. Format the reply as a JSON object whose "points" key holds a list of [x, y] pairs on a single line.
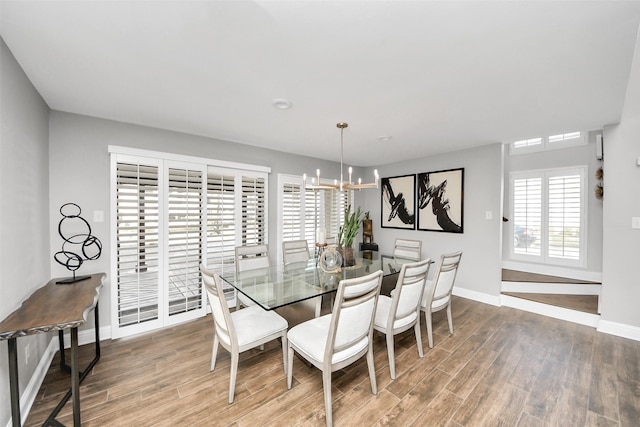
{"points": [[341, 185]]}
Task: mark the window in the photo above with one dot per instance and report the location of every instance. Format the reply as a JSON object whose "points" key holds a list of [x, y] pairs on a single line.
{"points": [[303, 211], [549, 216], [171, 214], [552, 142]]}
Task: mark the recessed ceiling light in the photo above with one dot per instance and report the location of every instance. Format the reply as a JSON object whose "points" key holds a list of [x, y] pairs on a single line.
{"points": [[282, 104], [385, 138]]}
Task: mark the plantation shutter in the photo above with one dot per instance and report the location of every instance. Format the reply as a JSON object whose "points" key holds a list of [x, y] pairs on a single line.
{"points": [[184, 243], [253, 211], [291, 211], [137, 252], [221, 225], [311, 218], [564, 216], [527, 213]]}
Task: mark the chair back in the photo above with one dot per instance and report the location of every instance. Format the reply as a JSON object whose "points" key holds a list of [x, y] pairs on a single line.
{"points": [[331, 240], [251, 257], [295, 251], [351, 325], [407, 296], [409, 249], [223, 326], [446, 275]]}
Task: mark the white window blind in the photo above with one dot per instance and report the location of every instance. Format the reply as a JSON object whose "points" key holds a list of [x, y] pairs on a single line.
{"points": [[527, 143], [170, 213], [565, 207], [303, 211], [527, 215], [253, 211], [137, 251], [221, 224], [292, 212], [548, 216], [563, 140], [184, 243]]}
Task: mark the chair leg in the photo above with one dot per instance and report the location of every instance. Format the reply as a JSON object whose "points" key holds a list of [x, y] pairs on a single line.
{"points": [[318, 305], [450, 318], [372, 370], [416, 328], [427, 317], [237, 299], [289, 365], [284, 351], [214, 351], [390, 352], [326, 383], [234, 372]]}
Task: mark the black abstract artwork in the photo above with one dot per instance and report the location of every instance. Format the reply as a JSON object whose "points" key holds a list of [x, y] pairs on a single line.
{"points": [[78, 245], [398, 202], [440, 200]]}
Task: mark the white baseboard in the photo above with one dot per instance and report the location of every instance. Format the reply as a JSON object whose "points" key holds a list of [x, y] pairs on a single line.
{"points": [[87, 336], [553, 270], [551, 288], [574, 316], [477, 296], [619, 329]]}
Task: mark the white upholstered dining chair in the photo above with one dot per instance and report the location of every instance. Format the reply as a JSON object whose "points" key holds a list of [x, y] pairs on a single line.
{"points": [[241, 330], [250, 257], [295, 251], [409, 249], [336, 340], [437, 292], [401, 311]]}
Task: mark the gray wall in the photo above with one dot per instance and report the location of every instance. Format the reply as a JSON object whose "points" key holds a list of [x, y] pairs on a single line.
{"points": [[24, 210], [621, 278], [561, 158], [80, 167], [480, 269]]}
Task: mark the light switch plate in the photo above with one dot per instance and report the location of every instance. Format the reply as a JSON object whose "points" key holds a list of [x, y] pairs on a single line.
{"points": [[488, 215], [635, 222], [98, 216]]}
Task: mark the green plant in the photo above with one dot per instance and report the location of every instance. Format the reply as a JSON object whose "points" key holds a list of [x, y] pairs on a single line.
{"points": [[349, 229]]}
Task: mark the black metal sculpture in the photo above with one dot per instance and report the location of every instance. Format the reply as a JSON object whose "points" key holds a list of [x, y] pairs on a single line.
{"points": [[76, 233]]}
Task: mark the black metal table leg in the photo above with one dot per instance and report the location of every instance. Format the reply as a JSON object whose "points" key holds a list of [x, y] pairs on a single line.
{"points": [[75, 377], [14, 386]]}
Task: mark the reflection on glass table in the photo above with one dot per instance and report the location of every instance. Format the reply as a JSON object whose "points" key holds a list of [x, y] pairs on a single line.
{"points": [[278, 286]]}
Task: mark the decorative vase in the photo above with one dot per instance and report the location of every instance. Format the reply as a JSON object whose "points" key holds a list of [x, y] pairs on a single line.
{"points": [[348, 256]]}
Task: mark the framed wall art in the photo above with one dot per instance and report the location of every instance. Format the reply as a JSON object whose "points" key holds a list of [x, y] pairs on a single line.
{"points": [[398, 202], [441, 200]]}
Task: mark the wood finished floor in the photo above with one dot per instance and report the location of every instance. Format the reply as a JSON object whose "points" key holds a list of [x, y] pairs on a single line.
{"points": [[502, 367]]}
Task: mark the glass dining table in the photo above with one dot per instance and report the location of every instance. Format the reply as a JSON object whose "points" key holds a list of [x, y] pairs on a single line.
{"points": [[282, 285]]}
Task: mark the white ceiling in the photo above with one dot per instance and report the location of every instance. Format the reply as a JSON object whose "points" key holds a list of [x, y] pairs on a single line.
{"points": [[436, 76]]}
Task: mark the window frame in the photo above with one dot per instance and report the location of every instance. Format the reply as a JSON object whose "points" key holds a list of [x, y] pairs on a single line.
{"points": [[544, 256], [164, 162], [547, 143]]}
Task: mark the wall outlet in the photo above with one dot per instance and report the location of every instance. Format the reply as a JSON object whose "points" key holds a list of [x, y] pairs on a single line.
{"points": [[488, 215], [635, 222], [98, 216]]}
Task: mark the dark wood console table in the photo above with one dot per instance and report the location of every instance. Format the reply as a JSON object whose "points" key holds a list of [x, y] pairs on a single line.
{"points": [[54, 308]]}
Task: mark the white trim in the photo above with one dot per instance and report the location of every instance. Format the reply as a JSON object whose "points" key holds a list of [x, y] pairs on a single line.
{"points": [[187, 159], [619, 329], [553, 270], [546, 145], [574, 316], [551, 288], [476, 296]]}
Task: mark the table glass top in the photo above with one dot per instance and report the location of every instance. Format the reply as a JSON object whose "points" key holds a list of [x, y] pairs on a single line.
{"points": [[281, 285]]}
